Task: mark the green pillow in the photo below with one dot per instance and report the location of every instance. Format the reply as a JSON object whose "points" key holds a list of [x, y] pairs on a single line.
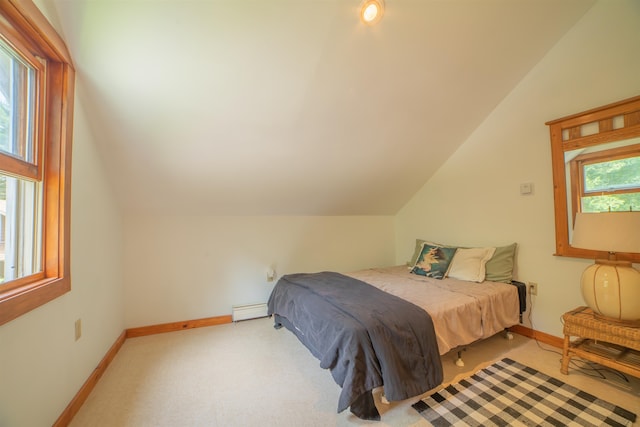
{"points": [[500, 267], [416, 252], [433, 261]]}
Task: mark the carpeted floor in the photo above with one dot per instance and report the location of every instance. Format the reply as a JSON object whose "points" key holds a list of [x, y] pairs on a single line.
{"points": [[248, 374]]}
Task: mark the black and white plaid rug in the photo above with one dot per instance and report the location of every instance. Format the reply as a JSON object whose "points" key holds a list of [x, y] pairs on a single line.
{"points": [[510, 394]]}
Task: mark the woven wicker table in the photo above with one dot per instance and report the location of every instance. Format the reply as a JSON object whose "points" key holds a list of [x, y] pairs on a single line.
{"points": [[609, 344]]}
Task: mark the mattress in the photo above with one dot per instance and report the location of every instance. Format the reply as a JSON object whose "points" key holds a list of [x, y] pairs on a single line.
{"points": [[462, 312]]}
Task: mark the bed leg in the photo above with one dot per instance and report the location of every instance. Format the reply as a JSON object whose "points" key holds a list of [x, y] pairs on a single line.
{"points": [[508, 334], [277, 324], [459, 361]]}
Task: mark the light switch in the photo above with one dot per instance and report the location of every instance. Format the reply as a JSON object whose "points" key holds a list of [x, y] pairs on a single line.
{"points": [[526, 188], [271, 274]]}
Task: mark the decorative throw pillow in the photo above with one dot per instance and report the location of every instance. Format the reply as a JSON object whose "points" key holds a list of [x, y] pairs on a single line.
{"points": [[418, 249], [433, 261], [469, 264], [500, 266]]}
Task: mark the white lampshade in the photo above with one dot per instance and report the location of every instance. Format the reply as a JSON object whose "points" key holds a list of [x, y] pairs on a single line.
{"points": [[607, 231], [610, 288]]}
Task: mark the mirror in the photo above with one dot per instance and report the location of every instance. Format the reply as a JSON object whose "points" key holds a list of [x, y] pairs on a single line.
{"points": [[612, 131]]}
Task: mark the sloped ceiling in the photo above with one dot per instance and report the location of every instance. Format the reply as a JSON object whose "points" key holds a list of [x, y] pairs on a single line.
{"points": [[294, 107]]}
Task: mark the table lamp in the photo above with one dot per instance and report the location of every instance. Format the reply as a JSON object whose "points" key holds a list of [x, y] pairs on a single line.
{"points": [[611, 288]]}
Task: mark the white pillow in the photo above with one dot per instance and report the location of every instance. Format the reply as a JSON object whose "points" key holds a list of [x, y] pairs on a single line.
{"points": [[469, 264]]}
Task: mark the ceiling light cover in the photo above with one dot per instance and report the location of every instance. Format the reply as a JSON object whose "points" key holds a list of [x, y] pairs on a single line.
{"points": [[371, 11]]}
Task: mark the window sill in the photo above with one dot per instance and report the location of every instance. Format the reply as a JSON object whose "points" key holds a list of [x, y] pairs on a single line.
{"points": [[17, 300]]}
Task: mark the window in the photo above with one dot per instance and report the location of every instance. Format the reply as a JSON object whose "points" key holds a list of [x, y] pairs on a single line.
{"points": [[607, 180], [20, 177], [36, 106]]}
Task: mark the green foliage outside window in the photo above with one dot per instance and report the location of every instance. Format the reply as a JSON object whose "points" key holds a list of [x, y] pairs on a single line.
{"points": [[615, 175]]}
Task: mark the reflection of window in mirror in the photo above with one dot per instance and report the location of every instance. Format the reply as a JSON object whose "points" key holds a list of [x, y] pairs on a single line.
{"points": [[609, 181], [604, 180], [596, 167]]}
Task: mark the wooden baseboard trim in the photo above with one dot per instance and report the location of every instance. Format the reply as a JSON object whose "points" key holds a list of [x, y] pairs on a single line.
{"points": [[537, 335], [76, 403], [177, 326]]}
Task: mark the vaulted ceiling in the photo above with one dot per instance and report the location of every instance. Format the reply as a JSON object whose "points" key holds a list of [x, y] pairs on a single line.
{"points": [[293, 107]]}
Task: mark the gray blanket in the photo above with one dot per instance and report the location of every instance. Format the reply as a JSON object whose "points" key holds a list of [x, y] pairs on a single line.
{"points": [[366, 337]]}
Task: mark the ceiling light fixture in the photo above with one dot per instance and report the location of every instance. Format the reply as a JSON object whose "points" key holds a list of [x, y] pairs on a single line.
{"points": [[371, 11]]}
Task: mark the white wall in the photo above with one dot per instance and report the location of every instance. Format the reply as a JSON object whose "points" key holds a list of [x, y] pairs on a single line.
{"points": [[180, 268], [474, 198], [42, 367]]}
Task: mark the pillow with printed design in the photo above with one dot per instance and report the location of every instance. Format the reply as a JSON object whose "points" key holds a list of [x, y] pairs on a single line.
{"points": [[433, 261]]}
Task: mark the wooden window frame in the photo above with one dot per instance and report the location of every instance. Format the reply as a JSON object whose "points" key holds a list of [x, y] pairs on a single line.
{"points": [[571, 133], [26, 26]]}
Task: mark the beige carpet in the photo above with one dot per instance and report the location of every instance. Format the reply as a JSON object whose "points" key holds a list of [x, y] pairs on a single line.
{"points": [[248, 374]]}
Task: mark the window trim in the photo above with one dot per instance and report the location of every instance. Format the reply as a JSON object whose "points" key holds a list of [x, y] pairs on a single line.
{"points": [[25, 294]]}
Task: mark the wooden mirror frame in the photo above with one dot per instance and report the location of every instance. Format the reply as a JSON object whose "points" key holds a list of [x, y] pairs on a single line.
{"points": [[567, 135]]}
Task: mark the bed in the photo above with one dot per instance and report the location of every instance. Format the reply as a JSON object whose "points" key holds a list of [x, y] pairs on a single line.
{"points": [[389, 326]]}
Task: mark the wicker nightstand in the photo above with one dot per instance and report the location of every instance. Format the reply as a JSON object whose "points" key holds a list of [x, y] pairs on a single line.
{"points": [[606, 343]]}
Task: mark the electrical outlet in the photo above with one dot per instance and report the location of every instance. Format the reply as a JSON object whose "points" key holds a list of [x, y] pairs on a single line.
{"points": [[78, 329], [533, 288]]}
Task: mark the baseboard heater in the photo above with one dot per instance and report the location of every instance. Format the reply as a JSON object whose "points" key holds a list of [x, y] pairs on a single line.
{"points": [[250, 311]]}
